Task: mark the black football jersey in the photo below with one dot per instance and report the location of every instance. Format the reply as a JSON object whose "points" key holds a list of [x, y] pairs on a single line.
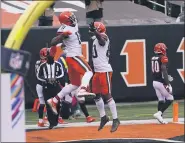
{"points": [[156, 62]]}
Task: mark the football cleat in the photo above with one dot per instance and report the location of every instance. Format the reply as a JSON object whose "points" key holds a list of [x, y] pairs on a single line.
{"points": [[103, 121], [90, 119], [83, 93], [41, 124], [52, 105], [160, 118], [61, 121], [115, 125]]}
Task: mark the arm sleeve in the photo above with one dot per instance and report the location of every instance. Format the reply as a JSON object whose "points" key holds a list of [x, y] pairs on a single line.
{"points": [[40, 74]]}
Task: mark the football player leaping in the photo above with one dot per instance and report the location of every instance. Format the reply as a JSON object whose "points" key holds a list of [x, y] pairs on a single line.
{"points": [[101, 82], [77, 66], [161, 80]]}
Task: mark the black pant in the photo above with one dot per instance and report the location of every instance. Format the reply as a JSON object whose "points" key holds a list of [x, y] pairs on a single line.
{"points": [[50, 91]]}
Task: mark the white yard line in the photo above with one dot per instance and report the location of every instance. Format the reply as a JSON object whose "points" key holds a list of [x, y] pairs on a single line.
{"points": [[149, 139], [84, 124]]}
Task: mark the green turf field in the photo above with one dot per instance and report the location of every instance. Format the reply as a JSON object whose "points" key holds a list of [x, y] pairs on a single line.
{"points": [[133, 111]]}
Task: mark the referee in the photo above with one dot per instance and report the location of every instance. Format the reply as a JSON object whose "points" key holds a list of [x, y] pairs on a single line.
{"points": [[50, 73]]}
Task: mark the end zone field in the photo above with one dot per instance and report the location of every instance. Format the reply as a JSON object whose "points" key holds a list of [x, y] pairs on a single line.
{"points": [[137, 125]]}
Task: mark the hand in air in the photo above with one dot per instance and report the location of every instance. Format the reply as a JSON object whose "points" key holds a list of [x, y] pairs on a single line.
{"points": [[92, 28]]}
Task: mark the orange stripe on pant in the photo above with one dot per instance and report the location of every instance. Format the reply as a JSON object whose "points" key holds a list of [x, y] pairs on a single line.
{"points": [[102, 83], [77, 66]]}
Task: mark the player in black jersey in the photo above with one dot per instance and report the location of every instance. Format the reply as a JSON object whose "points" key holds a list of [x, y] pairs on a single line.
{"points": [[161, 80]]}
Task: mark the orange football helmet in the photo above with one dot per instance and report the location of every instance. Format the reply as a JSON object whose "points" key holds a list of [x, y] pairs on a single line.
{"points": [[160, 48], [67, 18], [100, 27], [43, 53]]}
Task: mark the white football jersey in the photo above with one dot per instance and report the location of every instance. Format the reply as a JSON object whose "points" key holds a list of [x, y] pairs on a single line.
{"points": [[101, 56], [73, 42]]}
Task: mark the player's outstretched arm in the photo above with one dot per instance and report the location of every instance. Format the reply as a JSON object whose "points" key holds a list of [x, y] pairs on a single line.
{"points": [[102, 38], [56, 40], [61, 36]]}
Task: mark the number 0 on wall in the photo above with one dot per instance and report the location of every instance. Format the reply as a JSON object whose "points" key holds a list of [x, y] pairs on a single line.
{"points": [[135, 53]]}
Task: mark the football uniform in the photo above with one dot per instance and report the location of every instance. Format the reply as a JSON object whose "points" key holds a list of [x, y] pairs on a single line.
{"points": [[77, 65], [158, 80], [63, 62], [156, 67], [101, 82]]}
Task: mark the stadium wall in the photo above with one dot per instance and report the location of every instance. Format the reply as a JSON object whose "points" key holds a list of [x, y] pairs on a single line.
{"points": [[131, 50]]}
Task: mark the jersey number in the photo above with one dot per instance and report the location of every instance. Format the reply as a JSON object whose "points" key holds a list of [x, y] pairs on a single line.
{"points": [[155, 66], [78, 36], [95, 54]]}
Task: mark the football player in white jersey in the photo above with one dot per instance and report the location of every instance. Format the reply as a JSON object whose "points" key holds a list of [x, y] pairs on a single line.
{"points": [[77, 65], [101, 82]]}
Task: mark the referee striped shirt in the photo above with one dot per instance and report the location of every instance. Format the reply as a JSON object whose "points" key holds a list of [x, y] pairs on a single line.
{"points": [[48, 71]]}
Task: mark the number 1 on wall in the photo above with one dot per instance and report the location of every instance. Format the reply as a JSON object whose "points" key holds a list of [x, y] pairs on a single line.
{"points": [[135, 53]]}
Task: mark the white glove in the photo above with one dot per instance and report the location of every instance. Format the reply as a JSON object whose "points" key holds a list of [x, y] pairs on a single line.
{"points": [[66, 83], [170, 78], [169, 88]]}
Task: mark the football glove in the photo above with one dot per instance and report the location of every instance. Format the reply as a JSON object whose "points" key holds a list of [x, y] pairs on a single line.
{"points": [[169, 88], [170, 78], [92, 28]]}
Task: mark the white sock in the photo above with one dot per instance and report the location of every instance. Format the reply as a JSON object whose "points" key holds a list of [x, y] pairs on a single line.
{"points": [[65, 91], [100, 106], [112, 106], [86, 79]]}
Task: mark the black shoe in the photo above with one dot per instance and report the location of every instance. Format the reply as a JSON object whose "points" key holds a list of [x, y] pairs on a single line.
{"points": [[115, 125], [103, 121], [51, 126]]}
